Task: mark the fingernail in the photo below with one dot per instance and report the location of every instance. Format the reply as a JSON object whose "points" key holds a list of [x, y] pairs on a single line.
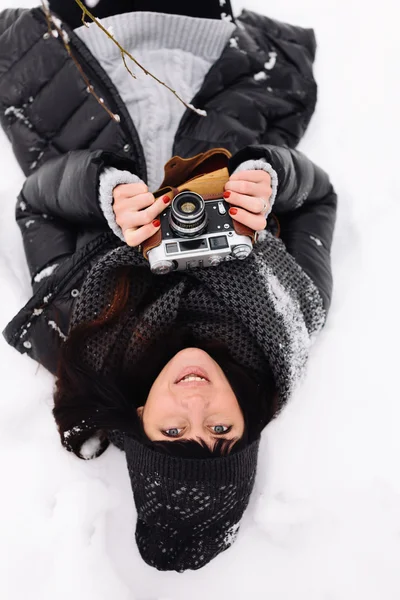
{"points": [[233, 211], [226, 194], [156, 222], [166, 199]]}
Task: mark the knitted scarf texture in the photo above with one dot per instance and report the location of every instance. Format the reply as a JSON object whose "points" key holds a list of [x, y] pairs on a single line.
{"points": [[265, 309]]}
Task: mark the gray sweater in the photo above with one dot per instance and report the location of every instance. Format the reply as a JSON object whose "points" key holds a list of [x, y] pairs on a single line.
{"points": [[179, 50]]}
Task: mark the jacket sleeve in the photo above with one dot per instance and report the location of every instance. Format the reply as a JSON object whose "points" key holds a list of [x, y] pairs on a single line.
{"points": [[306, 208], [291, 89], [8, 17], [299, 89], [59, 202]]}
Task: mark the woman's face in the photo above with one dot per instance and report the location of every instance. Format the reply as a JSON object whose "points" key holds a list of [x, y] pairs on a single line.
{"points": [[191, 398]]}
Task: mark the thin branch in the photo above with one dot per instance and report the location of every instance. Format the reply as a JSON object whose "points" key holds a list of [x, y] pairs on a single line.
{"points": [[55, 30], [126, 66], [83, 20], [125, 53]]}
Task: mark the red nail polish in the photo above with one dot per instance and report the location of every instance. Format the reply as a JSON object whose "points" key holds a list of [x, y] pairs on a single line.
{"points": [[156, 222], [233, 211], [226, 194], [166, 199]]}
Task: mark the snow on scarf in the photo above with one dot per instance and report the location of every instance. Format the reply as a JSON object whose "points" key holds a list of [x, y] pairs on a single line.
{"points": [[265, 308]]}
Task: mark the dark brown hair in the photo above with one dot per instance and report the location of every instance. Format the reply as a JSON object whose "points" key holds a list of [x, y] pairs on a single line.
{"points": [[88, 404]]}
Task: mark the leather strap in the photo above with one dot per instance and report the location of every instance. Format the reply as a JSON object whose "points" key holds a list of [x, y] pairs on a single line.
{"points": [[206, 184], [178, 170], [152, 242]]}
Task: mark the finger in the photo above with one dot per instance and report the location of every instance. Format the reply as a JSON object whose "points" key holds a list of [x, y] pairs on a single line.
{"points": [[134, 237], [128, 190], [129, 219], [127, 207], [134, 203], [248, 188], [256, 175], [255, 222], [254, 205]]}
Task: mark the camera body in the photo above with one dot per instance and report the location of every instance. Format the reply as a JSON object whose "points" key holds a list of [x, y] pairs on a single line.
{"points": [[196, 232]]}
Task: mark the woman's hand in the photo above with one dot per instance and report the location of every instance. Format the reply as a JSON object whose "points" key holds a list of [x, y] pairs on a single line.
{"points": [[249, 193], [136, 211]]}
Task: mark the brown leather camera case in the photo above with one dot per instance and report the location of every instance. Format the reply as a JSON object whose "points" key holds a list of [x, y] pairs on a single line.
{"points": [[206, 174]]}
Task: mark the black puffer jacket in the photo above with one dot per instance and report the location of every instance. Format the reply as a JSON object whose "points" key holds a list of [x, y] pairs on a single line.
{"points": [[62, 139]]}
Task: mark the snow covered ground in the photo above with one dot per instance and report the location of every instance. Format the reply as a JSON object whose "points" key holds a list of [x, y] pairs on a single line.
{"points": [[324, 522]]}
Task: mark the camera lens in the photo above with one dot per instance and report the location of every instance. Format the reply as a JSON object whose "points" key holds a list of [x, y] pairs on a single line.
{"points": [[188, 216]]}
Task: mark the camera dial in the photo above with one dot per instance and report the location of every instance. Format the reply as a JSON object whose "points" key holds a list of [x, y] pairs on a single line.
{"points": [[188, 217], [215, 260], [163, 267], [241, 251]]}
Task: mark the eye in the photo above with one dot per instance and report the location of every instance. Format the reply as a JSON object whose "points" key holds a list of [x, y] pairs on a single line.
{"points": [[220, 429], [173, 432]]}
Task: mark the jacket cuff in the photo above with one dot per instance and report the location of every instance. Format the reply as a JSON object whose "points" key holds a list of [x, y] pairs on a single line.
{"points": [[261, 164], [109, 179]]}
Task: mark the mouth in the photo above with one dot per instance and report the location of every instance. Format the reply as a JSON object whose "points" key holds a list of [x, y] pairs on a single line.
{"points": [[192, 376]]}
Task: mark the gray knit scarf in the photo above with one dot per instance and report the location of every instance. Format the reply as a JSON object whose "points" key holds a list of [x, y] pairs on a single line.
{"points": [[265, 309]]}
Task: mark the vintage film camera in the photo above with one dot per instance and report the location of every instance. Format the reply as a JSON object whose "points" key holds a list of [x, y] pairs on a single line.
{"points": [[197, 231]]}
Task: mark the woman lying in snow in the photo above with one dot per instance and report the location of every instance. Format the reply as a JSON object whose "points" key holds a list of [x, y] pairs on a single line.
{"points": [[181, 371]]}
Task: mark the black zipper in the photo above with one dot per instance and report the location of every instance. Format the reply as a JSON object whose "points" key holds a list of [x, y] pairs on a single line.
{"points": [[100, 80]]}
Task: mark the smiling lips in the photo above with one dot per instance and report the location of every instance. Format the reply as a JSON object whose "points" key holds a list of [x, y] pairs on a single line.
{"points": [[192, 376]]}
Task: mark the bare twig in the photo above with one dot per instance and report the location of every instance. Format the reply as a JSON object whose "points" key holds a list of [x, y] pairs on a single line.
{"points": [[83, 20], [55, 30], [126, 66], [125, 54]]}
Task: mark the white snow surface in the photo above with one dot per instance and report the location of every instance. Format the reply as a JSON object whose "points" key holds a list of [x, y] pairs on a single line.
{"points": [[324, 518]]}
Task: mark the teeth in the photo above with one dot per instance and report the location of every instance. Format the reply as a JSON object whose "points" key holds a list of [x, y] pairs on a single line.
{"points": [[193, 378]]}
